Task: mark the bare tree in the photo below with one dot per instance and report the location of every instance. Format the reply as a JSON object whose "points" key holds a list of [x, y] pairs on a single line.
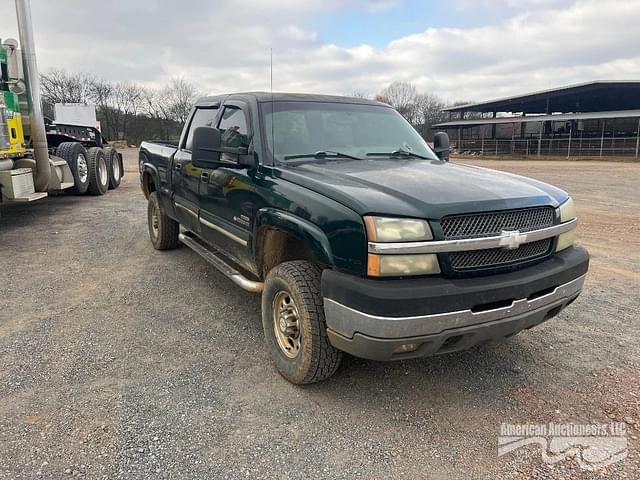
{"points": [[428, 112], [58, 86], [156, 106], [402, 96], [180, 96]]}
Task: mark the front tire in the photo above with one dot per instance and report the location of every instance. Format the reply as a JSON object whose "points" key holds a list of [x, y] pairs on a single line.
{"points": [[294, 323], [163, 230]]}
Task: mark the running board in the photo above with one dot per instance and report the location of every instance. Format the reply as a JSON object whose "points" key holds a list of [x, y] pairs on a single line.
{"points": [[226, 269]]}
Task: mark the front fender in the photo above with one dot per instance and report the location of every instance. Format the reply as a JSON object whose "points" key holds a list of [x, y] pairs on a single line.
{"points": [[297, 227]]}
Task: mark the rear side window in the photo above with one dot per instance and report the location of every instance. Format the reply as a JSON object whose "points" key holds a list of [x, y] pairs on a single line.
{"points": [[233, 128], [204, 117]]}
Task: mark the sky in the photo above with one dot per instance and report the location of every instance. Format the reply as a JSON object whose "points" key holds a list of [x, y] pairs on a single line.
{"points": [[461, 50]]}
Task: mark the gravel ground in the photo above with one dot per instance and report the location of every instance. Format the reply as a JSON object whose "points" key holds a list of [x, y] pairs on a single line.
{"points": [[119, 361]]}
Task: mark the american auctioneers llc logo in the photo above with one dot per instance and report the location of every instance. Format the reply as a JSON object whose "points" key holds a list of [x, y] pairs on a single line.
{"points": [[593, 445]]}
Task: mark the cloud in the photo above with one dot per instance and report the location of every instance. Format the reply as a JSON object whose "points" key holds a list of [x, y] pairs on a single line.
{"points": [[224, 46]]}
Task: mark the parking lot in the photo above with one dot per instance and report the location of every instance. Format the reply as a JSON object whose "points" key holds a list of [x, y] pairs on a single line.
{"points": [[119, 361]]}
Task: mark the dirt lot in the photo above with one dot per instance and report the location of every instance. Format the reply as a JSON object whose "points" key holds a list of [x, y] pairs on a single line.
{"points": [[119, 361]]}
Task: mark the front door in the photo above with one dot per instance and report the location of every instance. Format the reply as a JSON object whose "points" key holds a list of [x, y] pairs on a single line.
{"points": [[227, 194], [187, 177]]}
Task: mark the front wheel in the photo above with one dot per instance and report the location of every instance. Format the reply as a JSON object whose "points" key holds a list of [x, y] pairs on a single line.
{"points": [[294, 324]]}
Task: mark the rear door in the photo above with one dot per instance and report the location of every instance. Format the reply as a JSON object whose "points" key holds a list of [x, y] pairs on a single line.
{"points": [[185, 176], [228, 196]]}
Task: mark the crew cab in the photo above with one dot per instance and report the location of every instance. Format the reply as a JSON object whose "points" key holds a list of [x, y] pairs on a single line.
{"points": [[359, 236]]}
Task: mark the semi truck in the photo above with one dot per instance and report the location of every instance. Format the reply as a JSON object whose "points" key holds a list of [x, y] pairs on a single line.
{"points": [[37, 155]]}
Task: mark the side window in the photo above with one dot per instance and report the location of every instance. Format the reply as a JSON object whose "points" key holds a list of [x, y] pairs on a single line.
{"points": [[233, 128], [204, 117]]}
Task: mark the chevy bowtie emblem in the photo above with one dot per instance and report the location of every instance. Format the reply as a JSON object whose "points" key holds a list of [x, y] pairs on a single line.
{"points": [[512, 239]]}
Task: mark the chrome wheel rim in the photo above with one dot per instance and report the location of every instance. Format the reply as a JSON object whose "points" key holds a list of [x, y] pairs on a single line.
{"points": [[154, 221], [102, 171], [83, 168], [286, 324], [116, 167]]}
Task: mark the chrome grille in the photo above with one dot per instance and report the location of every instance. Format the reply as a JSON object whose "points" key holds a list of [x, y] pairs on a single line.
{"points": [[496, 257], [490, 224]]}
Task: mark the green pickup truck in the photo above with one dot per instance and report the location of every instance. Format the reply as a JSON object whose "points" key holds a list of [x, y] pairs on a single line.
{"points": [[359, 236]]}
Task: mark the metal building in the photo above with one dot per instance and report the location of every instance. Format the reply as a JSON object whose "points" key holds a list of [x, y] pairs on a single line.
{"points": [[593, 119]]}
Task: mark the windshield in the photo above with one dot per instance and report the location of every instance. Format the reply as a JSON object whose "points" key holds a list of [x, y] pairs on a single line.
{"points": [[302, 129]]}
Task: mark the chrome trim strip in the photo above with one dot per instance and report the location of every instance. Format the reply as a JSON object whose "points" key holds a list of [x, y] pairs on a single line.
{"points": [[347, 321], [466, 244], [185, 208], [224, 232]]}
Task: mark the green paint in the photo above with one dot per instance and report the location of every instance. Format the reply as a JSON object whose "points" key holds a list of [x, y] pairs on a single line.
{"points": [[3, 55], [11, 102]]}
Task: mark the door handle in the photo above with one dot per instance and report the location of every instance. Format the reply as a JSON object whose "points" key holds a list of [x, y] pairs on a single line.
{"points": [[177, 167], [204, 176]]}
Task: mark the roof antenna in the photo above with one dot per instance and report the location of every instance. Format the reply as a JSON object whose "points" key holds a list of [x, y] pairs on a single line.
{"points": [[273, 116]]}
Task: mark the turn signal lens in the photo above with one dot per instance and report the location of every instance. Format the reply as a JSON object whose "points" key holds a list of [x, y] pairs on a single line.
{"points": [[566, 240], [400, 265]]}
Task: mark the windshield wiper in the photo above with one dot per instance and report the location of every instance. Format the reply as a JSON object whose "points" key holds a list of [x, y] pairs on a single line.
{"points": [[398, 153], [321, 154]]}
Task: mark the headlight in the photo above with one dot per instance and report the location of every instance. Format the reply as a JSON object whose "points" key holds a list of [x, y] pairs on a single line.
{"points": [[384, 230], [567, 213]]}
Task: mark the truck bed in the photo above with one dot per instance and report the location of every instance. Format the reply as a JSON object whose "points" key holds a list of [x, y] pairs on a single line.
{"points": [[158, 153]]}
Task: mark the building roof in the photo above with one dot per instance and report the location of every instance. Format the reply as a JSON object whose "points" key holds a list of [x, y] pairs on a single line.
{"points": [[560, 117], [598, 96]]}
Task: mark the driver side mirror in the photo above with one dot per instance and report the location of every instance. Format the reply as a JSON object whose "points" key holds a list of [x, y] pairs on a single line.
{"points": [[205, 149], [441, 145]]}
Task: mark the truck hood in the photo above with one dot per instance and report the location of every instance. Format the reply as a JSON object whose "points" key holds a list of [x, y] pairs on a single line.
{"points": [[420, 188]]}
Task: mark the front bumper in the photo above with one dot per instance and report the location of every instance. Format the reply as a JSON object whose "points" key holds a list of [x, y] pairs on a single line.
{"points": [[398, 319]]}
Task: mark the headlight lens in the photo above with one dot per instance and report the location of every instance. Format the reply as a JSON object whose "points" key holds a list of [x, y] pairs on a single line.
{"points": [[399, 265], [567, 213], [384, 230]]}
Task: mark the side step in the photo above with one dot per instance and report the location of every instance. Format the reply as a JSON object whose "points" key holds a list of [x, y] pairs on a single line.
{"points": [[211, 257]]}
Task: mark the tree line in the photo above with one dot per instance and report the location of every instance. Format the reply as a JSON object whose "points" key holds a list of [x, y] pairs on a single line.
{"points": [[126, 111], [132, 112]]}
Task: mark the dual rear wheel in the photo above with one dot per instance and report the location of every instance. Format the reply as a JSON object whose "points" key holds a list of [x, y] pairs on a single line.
{"points": [[95, 170]]}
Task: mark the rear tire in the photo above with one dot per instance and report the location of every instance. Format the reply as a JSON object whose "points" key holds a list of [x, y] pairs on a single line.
{"points": [[163, 230], [76, 157], [114, 166], [294, 323], [98, 172]]}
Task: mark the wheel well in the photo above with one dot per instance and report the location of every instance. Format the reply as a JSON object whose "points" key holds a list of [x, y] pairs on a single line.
{"points": [[148, 185], [276, 246]]}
